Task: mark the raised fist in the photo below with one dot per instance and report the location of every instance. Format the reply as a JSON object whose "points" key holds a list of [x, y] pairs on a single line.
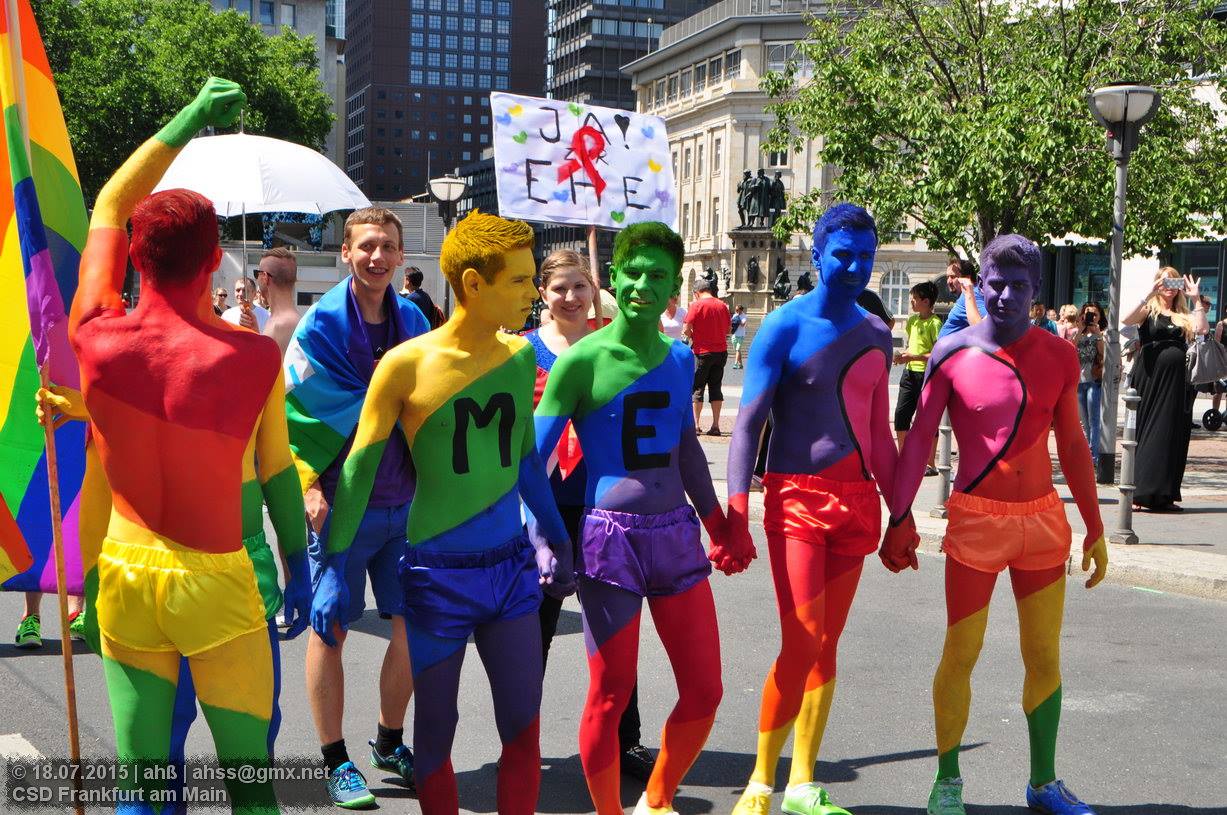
{"points": [[219, 102]]}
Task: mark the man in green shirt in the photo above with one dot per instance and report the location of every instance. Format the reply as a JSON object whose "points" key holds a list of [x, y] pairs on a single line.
{"points": [[922, 329]]}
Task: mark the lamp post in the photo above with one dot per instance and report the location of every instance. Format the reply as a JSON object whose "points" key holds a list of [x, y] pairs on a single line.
{"points": [[1122, 109], [447, 190]]}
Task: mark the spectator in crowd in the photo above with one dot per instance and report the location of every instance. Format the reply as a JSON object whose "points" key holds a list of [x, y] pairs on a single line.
{"points": [[922, 328], [419, 297], [1166, 326], [707, 329], [246, 312], [1068, 324], [1040, 320], [969, 308], [738, 326], [869, 300], [277, 276], [219, 300], [1052, 316], [1088, 339], [672, 321], [1220, 336]]}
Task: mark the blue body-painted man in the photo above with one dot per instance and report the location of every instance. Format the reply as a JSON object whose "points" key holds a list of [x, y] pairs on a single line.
{"points": [[820, 366]]}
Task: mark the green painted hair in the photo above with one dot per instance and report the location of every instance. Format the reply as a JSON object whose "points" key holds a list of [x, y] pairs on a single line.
{"points": [[648, 233]]}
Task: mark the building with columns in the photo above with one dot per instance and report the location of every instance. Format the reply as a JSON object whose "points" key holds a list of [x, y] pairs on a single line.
{"points": [[704, 80]]}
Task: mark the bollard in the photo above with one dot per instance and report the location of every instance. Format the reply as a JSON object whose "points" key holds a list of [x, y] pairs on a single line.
{"points": [[943, 468], [1124, 517]]}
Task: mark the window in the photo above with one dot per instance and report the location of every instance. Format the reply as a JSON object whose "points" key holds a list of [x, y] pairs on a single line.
{"points": [[715, 70], [503, 26], [487, 44], [243, 7], [685, 86], [451, 59], [672, 95], [266, 12], [469, 44], [685, 220], [778, 54], [432, 77], [675, 164], [417, 20], [417, 39], [698, 218], [700, 77], [451, 42], [485, 62], [451, 23], [715, 216], [660, 92], [416, 77], [732, 65], [289, 14], [434, 21], [485, 25], [894, 289], [504, 8], [698, 166], [686, 163], [717, 155], [777, 158], [501, 83], [466, 137], [434, 41], [501, 64], [432, 135], [433, 59], [416, 58]]}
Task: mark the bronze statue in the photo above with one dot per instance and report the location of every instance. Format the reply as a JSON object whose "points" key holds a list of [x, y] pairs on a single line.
{"points": [[744, 193], [709, 274], [752, 271], [778, 202], [782, 287]]}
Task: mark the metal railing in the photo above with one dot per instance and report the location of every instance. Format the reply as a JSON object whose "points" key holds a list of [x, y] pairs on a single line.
{"points": [[736, 8]]}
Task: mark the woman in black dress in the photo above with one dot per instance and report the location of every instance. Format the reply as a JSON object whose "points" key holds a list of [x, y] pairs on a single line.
{"points": [[1165, 328]]}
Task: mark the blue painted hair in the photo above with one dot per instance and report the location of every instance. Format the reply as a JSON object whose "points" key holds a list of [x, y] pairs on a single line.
{"points": [[841, 216], [1009, 251]]}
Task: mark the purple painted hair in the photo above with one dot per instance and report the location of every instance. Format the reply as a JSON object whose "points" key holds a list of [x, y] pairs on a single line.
{"points": [[1014, 252]]}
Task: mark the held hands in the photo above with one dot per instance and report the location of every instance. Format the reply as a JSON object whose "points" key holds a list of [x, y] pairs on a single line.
{"points": [[732, 547], [899, 544], [317, 507], [1095, 550], [331, 601], [60, 404], [561, 580], [297, 595]]}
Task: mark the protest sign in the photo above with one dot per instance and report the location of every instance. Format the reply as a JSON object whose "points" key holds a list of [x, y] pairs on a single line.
{"points": [[568, 163]]}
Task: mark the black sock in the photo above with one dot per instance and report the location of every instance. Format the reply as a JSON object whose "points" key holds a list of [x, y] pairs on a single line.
{"points": [[389, 739], [335, 754]]}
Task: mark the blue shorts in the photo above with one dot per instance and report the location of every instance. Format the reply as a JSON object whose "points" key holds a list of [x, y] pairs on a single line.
{"points": [[450, 594], [376, 551]]}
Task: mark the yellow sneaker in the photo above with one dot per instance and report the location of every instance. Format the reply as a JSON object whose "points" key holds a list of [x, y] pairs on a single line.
{"points": [[642, 808], [756, 800]]}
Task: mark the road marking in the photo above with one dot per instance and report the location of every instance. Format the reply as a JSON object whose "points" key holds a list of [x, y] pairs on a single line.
{"points": [[15, 745], [1144, 588]]}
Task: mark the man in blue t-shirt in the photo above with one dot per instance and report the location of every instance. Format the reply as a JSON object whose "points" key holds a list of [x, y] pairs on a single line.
{"points": [[969, 308]]}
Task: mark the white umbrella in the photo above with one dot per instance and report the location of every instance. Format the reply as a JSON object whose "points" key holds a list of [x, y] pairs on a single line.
{"points": [[244, 174]]}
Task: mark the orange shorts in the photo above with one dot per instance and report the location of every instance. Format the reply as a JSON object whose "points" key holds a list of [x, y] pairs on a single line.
{"points": [[990, 535], [844, 516]]}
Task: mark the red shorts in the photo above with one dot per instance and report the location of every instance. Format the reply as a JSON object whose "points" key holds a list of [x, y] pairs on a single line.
{"points": [[990, 535], [844, 516]]}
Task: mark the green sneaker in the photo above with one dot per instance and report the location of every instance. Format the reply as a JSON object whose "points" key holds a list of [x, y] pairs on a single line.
{"points": [[29, 632], [348, 788], [809, 799], [76, 625], [946, 797], [398, 762]]}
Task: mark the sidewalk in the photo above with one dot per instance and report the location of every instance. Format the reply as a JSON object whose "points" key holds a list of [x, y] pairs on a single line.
{"points": [[1184, 553]]}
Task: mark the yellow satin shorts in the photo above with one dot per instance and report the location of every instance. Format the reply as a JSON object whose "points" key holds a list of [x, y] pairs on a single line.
{"points": [[160, 596]]}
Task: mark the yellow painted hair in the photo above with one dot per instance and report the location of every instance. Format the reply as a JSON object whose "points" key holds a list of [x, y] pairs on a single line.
{"points": [[479, 242]]}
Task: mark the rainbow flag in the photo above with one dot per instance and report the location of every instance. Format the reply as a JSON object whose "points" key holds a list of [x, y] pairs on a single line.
{"points": [[42, 214]]}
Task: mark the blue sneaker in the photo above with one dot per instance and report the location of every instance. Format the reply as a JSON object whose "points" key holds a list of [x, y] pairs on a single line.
{"points": [[400, 762], [348, 788], [1054, 798]]}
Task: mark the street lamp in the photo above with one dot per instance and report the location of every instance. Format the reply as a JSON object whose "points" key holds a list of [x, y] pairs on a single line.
{"points": [[1122, 108], [447, 190]]}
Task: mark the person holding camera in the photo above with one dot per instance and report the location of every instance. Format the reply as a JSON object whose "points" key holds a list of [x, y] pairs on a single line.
{"points": [[1088, 339], [1166, 326]]}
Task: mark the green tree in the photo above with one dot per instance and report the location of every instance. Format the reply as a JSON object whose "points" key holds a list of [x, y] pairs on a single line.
{"points": [[970, 117], [125, 67]]}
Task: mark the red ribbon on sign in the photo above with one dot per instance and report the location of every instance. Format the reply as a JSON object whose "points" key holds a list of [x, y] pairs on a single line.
{"points": [[586, 145]]}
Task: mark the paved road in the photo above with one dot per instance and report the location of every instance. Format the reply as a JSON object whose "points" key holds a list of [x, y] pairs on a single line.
{"points": [[1144, 729]]}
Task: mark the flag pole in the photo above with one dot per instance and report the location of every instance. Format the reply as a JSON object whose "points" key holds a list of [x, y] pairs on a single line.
{"points": [[61, 585]]}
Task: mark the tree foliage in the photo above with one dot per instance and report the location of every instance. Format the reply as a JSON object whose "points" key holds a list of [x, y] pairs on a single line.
{"points": [[970, 117], [125, 67]]}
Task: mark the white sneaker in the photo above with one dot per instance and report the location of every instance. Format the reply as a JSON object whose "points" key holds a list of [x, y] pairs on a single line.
{"points": [[642, 808]]}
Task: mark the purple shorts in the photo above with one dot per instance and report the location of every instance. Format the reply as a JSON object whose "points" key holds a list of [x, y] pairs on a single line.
{"points": [[650, 555]]}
